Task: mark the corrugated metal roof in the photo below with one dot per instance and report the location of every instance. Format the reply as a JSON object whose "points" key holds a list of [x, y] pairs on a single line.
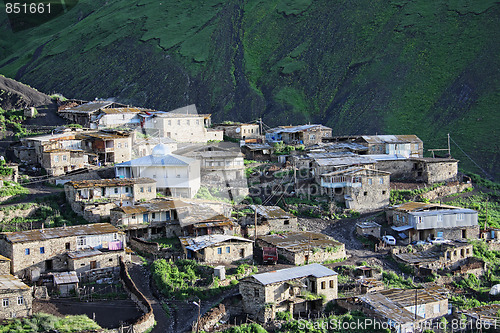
{"points": [[271, 212], [368, 224], [88, 107], [201, 242], [154, 205], [10, 282], [164, 160], [363, 159], [65, 277], [258, 146], [388, 157], [125, 110], [419, 206], [50, 233], [444, 212], [281, 275], [391, 138], [335, 154]]}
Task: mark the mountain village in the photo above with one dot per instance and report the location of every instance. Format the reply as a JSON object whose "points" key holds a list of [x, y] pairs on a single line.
{"points": [[173, 223]]}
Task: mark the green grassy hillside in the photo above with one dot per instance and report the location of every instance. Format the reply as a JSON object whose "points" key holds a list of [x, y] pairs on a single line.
{"points": [[361, 67]]}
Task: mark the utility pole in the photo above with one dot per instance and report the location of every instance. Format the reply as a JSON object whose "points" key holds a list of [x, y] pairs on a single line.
{"points": [[198, 321], [449, 148], [255, 223], [260, 126]]}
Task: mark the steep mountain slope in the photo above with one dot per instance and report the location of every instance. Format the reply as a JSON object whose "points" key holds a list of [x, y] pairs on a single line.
{"points": [[423, 67]]}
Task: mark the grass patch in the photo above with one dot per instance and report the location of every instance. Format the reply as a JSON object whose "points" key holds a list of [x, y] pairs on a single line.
{"points": [[42, 322]]}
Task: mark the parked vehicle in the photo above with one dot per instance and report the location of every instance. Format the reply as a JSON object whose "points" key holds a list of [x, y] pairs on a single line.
{"points": [[420, 242], [389, 240], [269, 255], [439, 240]]}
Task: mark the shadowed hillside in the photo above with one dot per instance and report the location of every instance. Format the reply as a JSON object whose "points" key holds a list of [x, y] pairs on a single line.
{"points": [[399, 67]]}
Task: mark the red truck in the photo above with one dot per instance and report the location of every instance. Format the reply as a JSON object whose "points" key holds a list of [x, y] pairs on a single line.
{"points": [[269, 255]]}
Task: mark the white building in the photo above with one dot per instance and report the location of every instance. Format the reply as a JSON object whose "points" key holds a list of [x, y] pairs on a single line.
{"points": [[175, 175]]}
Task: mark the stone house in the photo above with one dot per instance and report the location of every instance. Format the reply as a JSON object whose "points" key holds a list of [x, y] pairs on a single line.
{"points": [[219, 165], [43, 250], [323, 163], [109, 145], [269, 218], [359, 188], [291, 289], [85, 260], [217, 248], [60, 161], [299, 135], [303, 247], [93, 199], [182, 125], [404, 145], [240, 131], [86, 114], [118, 117], [15, 296], [422, 221], [366, 228], [453, 257], [65, 282], [175, 175], [257, 151], [401, 309]]}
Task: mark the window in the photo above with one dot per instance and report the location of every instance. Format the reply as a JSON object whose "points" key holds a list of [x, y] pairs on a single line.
{"points": [[323, 285], [111, 259], [27, 251], [197, 122], [219, 250], [419, 219], [287, 222], [332, 284], [126, 189], [460, 217], [56, 158], [81, 241], [383, 192], [187, 121], [142, 189], [256, 292], [365, 193], [178, 122], [42, 250], [133, 216], [154, 176], [116, 190], [370, 181], [68, 246], [440, 218], [381, 180], [20, 300], [126, 144], [153, 215], [312, 137], [149, 189], [397, 217], [64, 158], [228, 249], [464, 233], [5, 302], [119, 144], [404, 219], [436, 308]]}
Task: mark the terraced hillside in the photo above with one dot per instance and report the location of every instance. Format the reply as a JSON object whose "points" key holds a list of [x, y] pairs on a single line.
{"points": [[367, 66]]}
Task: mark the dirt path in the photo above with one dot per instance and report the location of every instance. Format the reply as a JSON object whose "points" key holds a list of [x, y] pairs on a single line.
{"points": [[141, 278]]}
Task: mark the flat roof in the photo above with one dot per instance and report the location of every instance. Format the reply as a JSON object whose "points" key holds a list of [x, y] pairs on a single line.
{"points": [[348, 160], [281, 275], [10, 282], [88, 107], [368, 224], [125, 110], [158, 160], [50, 233], [434, 159], [201, 242], [154, 205], [271, 212], [298, 241], [110, 182], [391, 138], [356, 170], [83, 253]]}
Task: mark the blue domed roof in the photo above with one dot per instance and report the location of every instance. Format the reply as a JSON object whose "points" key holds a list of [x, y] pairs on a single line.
{"points": [[160, 150]]}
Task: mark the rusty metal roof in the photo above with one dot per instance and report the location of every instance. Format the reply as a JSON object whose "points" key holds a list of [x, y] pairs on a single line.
{"points": [[392, 303], [10, 282], [420, 206], [105, 135], [110, 182], [271, 212], [50, 233], [299, 241]]}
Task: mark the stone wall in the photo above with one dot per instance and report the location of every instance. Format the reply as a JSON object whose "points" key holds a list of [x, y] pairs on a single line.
{"points": [[4, 267], [144, 246], [237, 251], [445, 190], [104, 260], [254, 298], [212, 317], [147, 320], [440, 172]]}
